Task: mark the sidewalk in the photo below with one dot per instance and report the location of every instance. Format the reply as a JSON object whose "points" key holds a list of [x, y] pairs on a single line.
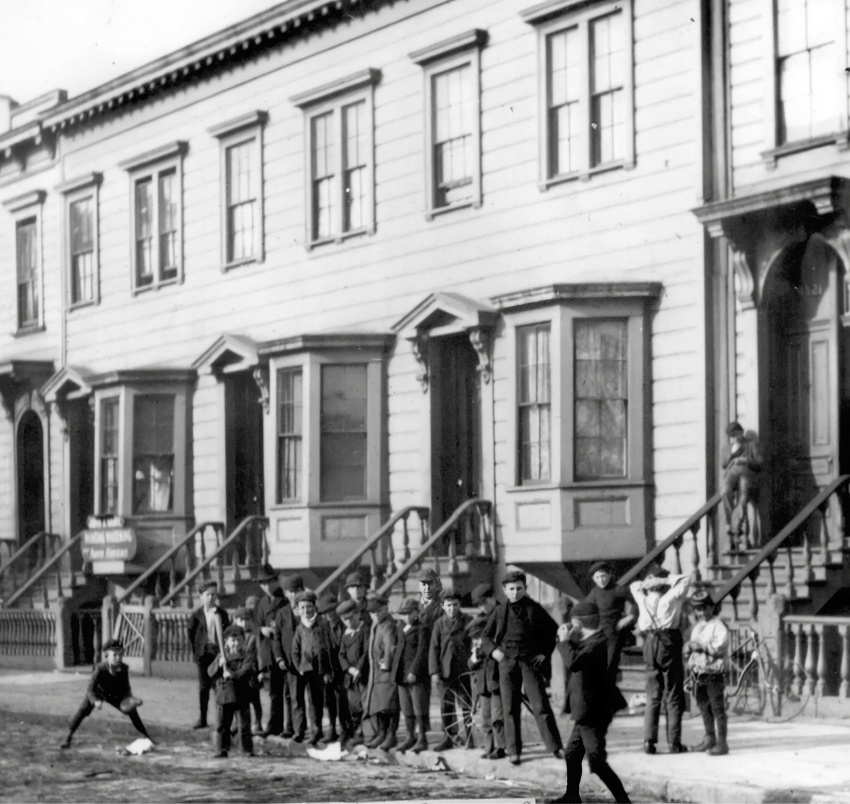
{"points": [[799, 761]]}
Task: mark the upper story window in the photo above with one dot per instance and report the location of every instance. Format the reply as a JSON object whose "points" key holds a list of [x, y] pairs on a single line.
{"points": [[339, 133], [534, 403], [290, 428], [452, 73], [82, 230], [26, 212], [242, 188], [587, 88], [806, 81], [156, 183]]}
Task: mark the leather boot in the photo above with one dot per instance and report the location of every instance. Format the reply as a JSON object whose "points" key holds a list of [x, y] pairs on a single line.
{"points": [[708, 742], [382, 732], [410, 740], [722, 746], [421, 743], [390, 740]]}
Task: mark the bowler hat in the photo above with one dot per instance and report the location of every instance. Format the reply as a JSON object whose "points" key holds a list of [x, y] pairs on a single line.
{"points": [[268, 574], [601, 566], [305, 597], [234, 630], [354, 579], [295, 583], [701, 598], [408, 606], [515, 576], [426, 575], [346, 607], [481, 591]]}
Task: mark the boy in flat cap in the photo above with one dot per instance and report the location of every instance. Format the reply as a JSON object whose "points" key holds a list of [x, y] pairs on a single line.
{"points": [[523, 636], [285, 623], [412, 677], [336, 701], [244, 617], [430, 610], [617, 611], [265, 616], [447, 663], [311, 657], [593, 699], [357, 588], [110, 682], [206, 636], [486, 698], [354, 663], [235, 675], [382, 691]]}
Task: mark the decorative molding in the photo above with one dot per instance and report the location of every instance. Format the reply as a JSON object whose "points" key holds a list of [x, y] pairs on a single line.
{"points": [[261, 377], [448, 47], [480, 340], [746, 284], [371, 341], [236, 124], [419, 347], [552, 8], [365, 78], [20, 202], [142, 376], [170, 151], [59, 407], [80, 183], [578, 291], [229, 353]]}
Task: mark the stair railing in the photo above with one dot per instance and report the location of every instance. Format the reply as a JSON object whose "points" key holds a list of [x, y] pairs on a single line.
{"points": [[48, 565], [676, 540], [256, 551], [195, 553], [38, 548], [382, 541], [821, 542], [477, 542]]}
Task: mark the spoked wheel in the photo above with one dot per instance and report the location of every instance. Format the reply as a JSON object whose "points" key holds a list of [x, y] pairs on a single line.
{"points": [[748, 697], [458, 724], [788, 693]]}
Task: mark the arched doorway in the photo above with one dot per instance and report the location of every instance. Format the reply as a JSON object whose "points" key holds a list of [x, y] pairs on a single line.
{"points": [[806, 390], [30, 474]]}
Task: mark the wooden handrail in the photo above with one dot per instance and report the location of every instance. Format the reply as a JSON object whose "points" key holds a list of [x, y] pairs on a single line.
{"points": [[25, 548], [165, 557], [343, 569], [38, 575], [777, 541], [677, 534], [435, 537], [240, 528]]}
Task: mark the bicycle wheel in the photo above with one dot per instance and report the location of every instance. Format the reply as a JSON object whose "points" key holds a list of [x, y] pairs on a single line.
{"points": [[786, 702], [748, 696], [457, 721]]}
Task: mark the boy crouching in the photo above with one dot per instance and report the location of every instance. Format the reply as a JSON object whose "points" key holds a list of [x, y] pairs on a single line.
{"points": [[235, 678], [110, 682]]}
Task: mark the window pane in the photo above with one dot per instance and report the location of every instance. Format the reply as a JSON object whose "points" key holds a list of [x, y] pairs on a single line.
{"points": [[343, 433], [82, 250], [27, 271], [323, 175], [242, 186], [144, 233], [601, 398], [608, 70], [355, 162], [564, 85], [290, 407], [533, 397], [153, 453], [168, 221], [109, 456], [453, 116]]}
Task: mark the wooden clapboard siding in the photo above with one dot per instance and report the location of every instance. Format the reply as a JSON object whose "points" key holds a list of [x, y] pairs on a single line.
{"points": [[8, 529]]}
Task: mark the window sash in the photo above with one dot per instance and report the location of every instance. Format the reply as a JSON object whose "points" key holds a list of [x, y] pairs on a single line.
{"points": [[82, 250], [26, 232], [241, 191], [452, 114], [153, 454], [109, 448], [600, 430], [343, 432], [290, 391], [534, 402]]}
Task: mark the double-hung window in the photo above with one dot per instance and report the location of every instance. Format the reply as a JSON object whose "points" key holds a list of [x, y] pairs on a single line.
{"points": [[452, 73], [534, 402], [290, 426], [587, 87], [81, 215], [339, 133], [242, 188], [26, 213], [156, 189], [344, 432], [109, 452], [153, 453]]}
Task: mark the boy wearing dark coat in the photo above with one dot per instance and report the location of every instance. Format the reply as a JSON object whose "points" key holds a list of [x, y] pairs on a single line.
{"points": [[110, 682], [447, 663], [412, 677], [206, 636], [593, 698], [354, 663], [244, 617], [336, 701], [235, 676], [311, 657], [264, 622], [286, 621], [521, 636], [382, 691]]}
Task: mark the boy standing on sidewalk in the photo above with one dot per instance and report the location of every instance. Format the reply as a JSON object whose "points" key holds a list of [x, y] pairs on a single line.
{"points": [[593, 698], [521, 636], [447, 664], [354, 662], [235, 677], [413, 678], [707, 651], [382, 689], [206, 636]]}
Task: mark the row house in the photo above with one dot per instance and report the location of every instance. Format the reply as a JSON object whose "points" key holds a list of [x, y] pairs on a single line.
{"points": [[346, 257]]}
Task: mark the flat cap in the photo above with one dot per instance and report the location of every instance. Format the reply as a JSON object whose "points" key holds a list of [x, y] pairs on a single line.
{"points": [[514, 576], [376, 602], [481, 591], [408, 606], [426, 575], [326, 603], [355, 579], [346, 607], [113, 644], [601, 566], [305, 597], [585, 609], [294, 583], [234, 630]]}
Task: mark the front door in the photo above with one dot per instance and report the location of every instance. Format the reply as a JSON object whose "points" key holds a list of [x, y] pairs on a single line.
{"points": [[30, 472], [244, 440], [806, 386], [455, 425]]}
